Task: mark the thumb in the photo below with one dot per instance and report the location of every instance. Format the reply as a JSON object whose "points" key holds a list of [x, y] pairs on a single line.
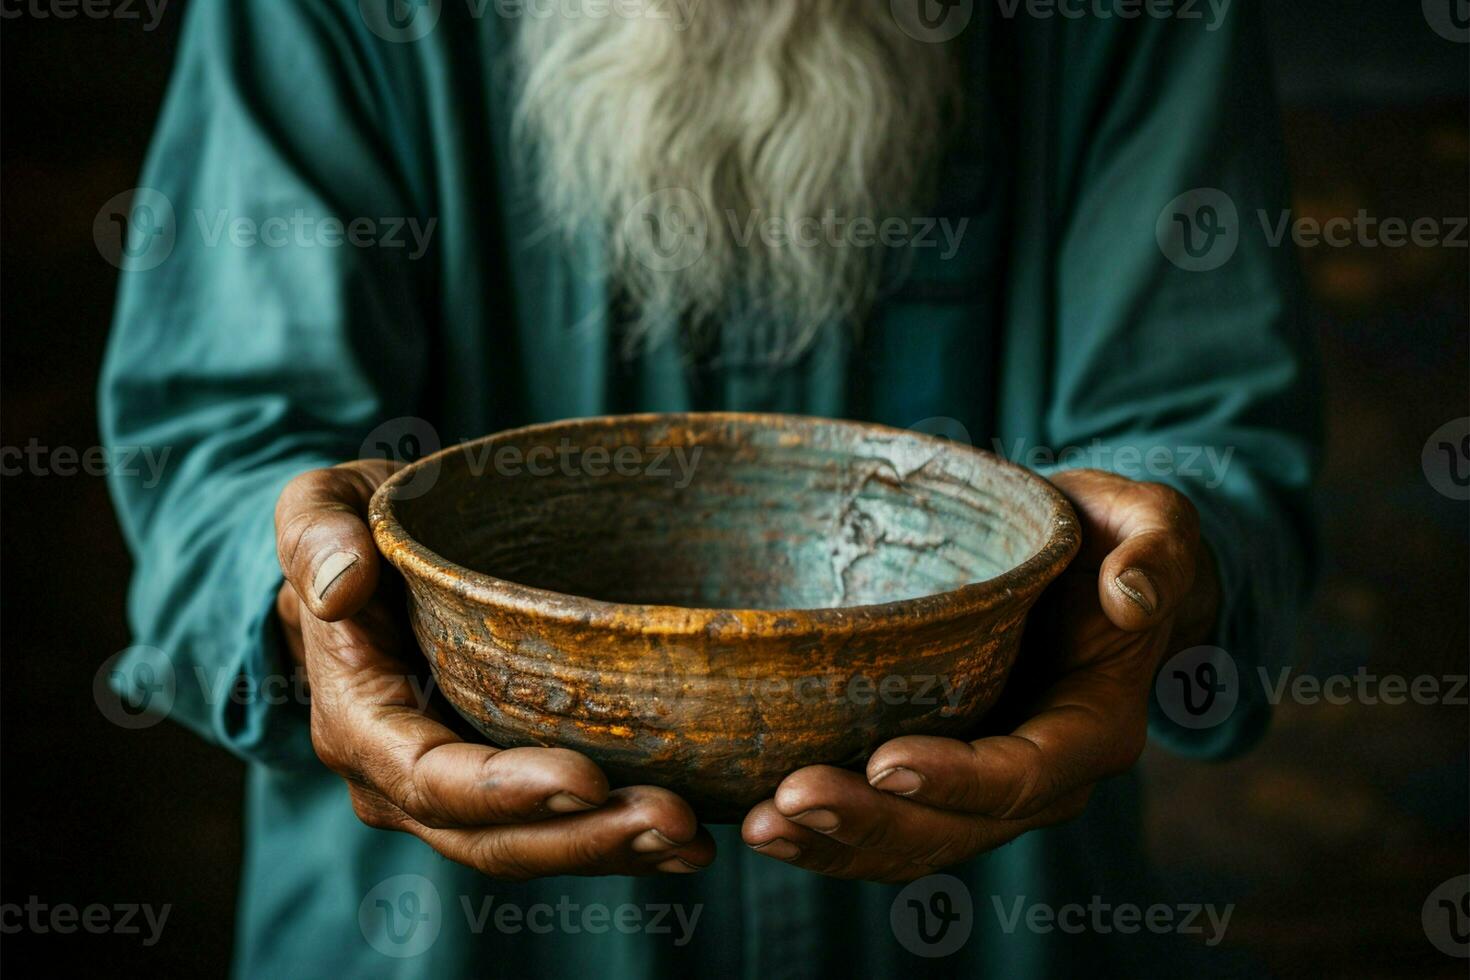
{"points": [[1142, 537], [322, 538], [1146, 577]]}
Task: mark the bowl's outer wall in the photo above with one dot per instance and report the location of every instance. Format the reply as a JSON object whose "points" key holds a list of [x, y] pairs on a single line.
{"points": [[717, 705], [724, 739]]}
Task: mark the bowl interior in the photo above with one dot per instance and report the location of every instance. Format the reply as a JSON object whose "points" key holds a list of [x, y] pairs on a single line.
{"points": [[728, 512]]}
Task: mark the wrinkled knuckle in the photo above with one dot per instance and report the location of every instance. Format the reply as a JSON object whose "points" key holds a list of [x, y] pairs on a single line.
{"points": [[373, 810], [495, 856], [492, 770], [289, 538], [1032, 791], [1161, 493], [875, 834], [664, 811], [347, 483], [403, 786], [415, 804], [934, 856], [299, 487], [970, 789], [1176, 505], [327, 746], [588, 853]]}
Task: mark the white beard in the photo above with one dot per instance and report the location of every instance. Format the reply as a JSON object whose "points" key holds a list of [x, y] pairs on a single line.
{"points": [[678, 146]]}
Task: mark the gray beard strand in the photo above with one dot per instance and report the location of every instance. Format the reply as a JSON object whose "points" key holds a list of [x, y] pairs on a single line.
{"points": [[681, 150]]}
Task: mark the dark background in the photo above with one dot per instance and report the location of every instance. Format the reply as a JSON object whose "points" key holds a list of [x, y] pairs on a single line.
{"points": [[1329, 836]]}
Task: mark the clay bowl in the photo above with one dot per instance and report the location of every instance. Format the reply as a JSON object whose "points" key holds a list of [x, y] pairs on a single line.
{"points": [[707, 602]]}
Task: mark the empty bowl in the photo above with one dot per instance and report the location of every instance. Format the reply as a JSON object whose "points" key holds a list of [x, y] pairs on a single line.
{"points": [[707, 602]]}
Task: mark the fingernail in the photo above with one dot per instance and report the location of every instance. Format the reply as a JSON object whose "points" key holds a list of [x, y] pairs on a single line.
{"points": [[678, 866], [779, 848], [898, 780], [650, 841], [1138, 587], [332, 569], [822, 820], [567, 803]]}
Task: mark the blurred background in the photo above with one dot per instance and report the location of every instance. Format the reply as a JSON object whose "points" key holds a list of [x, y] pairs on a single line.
{"points": [[1329, 837]]}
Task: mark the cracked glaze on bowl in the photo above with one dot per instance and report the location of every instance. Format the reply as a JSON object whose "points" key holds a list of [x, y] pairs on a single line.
{"points": [[707, 602]]}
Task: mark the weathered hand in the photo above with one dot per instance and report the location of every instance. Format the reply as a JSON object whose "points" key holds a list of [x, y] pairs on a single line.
{"points": [[514, 813], [1142, 584]]}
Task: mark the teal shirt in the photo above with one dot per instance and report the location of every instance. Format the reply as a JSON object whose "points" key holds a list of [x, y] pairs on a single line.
{"points": [[1059, 322]]}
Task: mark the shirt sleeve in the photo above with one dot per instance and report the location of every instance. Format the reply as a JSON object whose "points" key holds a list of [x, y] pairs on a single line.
{"points": [[263, 336], [1182, 351]]}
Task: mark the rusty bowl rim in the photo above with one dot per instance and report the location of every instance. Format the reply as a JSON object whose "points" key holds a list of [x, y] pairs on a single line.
{"points": [[415, 560]]}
